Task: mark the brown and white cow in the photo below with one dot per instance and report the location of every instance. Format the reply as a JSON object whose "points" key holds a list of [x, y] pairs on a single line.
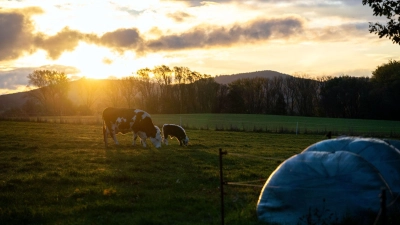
{"points": [[174, 131], [124, 120]]}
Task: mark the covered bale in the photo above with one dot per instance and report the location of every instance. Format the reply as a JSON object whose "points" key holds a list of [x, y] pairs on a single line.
{"points": [[331, 180]]}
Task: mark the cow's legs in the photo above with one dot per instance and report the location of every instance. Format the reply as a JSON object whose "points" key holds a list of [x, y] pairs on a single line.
{"points": [[143, 138], [134, 137], [105, 133], [143, 141], [114, 136]]}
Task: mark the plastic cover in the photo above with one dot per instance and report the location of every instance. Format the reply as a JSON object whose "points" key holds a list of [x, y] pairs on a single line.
{"points": [[330, 180]]}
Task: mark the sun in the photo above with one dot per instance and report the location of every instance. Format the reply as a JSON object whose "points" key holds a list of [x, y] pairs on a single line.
{"points": [[100, 63], [94, 62]]}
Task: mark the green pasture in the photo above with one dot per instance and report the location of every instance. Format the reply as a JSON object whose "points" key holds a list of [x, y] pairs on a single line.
{"points": [[52, 173], [256, 122]]}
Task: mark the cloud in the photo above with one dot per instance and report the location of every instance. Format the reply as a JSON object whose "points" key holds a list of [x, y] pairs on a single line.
{"points": [[18, 29], [107, 61], [199, 3], [69, 70], [179, 16], [65, 40], [121, 39], [212, 36], [12, 79], [18, 37], [337, 33], [16, 32]]}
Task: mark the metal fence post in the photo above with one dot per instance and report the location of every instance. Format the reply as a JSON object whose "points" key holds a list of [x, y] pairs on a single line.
{"points": [[383, 206], [222, 183]]}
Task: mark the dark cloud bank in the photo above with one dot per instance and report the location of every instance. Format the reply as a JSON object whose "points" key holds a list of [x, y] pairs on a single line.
{"points": [[18, 37]]}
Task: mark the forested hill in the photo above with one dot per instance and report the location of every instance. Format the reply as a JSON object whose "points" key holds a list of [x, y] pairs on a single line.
{"points": [[263, 92], [18, 99], [226, 79]]}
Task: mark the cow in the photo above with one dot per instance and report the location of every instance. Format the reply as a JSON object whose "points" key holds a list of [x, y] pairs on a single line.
{"points": [[176, 131], [124, 120]]}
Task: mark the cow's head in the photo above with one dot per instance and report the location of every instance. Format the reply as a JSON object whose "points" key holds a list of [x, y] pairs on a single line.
{"points": [[157, 139], [185, 141]]}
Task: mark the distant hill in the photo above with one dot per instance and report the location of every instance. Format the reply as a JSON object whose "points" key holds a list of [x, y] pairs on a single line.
{"points": [[226, 79], [12, 100]]}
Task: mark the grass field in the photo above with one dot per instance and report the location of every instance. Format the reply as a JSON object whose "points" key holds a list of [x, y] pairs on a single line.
{"points": [[258, 123], [53, 173]]}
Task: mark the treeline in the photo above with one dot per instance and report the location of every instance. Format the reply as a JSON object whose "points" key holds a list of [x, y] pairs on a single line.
{"points": [[179, 90]]}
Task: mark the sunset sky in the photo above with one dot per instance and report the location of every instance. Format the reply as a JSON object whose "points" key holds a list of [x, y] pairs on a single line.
{"points": [[99, 39]]}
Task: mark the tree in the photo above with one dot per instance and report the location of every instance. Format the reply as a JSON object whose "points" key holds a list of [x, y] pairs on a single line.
{"points": [[236, 103], [387, 73], [306, 97], [206, 94], [128, 90], [345, 96], [113, 93], [289, 93], [147, 89], [88, 94], [52, 89], [163, 76], [390, 9], [386, 93], [181, 74]]}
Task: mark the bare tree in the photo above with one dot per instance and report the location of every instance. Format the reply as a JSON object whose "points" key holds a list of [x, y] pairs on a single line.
{"points": [[52, 89], [113, 93], [88, 93], [163, 76], [147, 90], [128, 90]]}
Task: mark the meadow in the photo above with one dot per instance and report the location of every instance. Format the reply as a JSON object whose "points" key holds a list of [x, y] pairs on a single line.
{"points": [[254, 122], [61, 173]]}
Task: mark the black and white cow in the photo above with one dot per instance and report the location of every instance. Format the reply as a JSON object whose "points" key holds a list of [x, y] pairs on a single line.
{"points": [[174, 131], [124, 120]]}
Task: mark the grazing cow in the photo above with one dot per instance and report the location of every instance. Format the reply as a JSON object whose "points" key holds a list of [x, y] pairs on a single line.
{"points": [[123, 120], [176, 131]]}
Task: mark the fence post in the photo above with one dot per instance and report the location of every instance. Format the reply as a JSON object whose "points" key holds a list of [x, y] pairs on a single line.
{"points": [[221, 184], [383, 206]]}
